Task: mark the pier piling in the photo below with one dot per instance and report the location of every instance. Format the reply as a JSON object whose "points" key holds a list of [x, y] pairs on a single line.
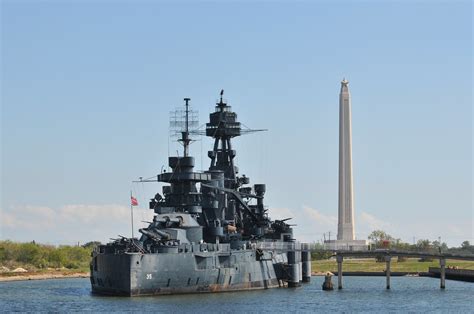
{"points": [[467, 275], [339, 260], [442, 275], [388, 259]]}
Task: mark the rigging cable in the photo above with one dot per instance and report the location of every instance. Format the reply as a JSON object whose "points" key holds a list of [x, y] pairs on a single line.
{"points": [[144, 202]]}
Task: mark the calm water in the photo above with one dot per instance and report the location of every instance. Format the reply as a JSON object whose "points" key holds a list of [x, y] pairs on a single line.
{"points": [[361, 294]]}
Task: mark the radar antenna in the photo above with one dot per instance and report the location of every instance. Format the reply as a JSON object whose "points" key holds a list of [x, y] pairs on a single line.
{"points": [[184, 121]]}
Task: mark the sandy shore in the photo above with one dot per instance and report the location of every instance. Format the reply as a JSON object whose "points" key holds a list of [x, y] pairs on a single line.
{"points": [[41, 276]]}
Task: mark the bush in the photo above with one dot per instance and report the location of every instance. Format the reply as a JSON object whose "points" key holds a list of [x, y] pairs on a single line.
{"points": [[319, 255], [72, 265], [56, 258], [2, 254], [29, 253], [32, 255], [380, 259]]}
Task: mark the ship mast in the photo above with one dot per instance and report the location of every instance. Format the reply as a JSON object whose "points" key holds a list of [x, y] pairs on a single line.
{"points": [[185, 140], [223, 126]]}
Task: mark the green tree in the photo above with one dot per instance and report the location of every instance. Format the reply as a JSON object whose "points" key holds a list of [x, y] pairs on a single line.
{"points": [[29, 253], [76, 256], [3, 254], [466, 247], [91, 245], [424, 245], [57, 258], [377, 237], [441, 247]]}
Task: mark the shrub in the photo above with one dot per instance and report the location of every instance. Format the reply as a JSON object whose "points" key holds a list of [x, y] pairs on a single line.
{"points": [[380, 259], [32, 255], [401, 259], [56, 258], [319, 255], [29, 253]]}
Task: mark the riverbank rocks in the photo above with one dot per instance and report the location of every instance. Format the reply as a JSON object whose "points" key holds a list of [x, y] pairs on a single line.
{"points": [[4, 269], [19, 270], [327, 284]]}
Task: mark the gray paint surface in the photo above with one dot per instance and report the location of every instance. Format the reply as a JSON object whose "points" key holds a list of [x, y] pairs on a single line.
{"points": [[210, 233]]}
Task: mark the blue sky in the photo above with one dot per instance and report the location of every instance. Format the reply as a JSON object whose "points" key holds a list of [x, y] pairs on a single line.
{"points": [[87, 86]]}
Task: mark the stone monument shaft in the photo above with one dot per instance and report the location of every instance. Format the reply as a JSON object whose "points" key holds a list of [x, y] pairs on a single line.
{"points": [[345, 227]]}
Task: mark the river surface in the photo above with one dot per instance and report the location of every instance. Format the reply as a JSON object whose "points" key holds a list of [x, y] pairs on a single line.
{"points": [[360, 294]]}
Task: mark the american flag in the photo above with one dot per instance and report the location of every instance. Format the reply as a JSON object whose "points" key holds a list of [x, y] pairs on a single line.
{"points": [[134, 201]]}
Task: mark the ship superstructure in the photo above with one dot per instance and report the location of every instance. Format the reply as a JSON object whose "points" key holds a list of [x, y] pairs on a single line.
{"points": [[210, 232]]}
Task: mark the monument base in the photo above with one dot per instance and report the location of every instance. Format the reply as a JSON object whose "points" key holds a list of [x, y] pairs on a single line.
{"points": [[347, 245]]}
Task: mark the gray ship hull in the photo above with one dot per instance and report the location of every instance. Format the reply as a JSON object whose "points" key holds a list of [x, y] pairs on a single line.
{"points": [[135, 274], [211, 232]]}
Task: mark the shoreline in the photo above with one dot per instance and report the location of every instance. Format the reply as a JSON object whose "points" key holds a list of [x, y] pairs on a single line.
{"points": [[374, 273], [36, 276], [25, 276], [44, 276]]}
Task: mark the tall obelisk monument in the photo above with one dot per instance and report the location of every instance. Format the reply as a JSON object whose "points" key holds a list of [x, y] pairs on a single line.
{"points": [[345, 226]]}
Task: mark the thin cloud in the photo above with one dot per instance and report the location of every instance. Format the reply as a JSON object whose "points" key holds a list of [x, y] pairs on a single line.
{"points": [[281, 213], [371, 222], [319, 218], [69, 223], [310, 222], [87, 222], [90, 213]]}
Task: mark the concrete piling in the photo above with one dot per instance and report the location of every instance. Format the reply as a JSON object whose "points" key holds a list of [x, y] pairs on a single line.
{"points": [[306, 264], [339, 260], [293, 270], [442, 276], [388, 259]]}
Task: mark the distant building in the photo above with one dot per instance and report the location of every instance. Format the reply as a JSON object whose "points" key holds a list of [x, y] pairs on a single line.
{"points": [[345, 227]]}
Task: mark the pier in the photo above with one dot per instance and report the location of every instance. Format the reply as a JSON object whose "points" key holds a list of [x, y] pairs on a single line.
{"points": [[387, 256], [453, 274]]}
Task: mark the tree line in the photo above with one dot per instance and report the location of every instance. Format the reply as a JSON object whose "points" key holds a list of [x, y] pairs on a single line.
{"points": [[41, 256], [380, 239]]}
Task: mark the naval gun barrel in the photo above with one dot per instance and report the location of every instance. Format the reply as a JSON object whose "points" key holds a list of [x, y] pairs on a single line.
{"points": [[237, 197], [163, 234], [172, 220], [155, 234]]}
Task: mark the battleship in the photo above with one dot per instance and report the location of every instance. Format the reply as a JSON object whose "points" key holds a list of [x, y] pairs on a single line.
{"points": [[211, 231]]}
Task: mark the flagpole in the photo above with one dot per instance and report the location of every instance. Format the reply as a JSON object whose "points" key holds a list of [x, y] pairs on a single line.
{"points": [[131, 210]]}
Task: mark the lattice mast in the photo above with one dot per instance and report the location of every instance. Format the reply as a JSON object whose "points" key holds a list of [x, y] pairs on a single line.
{"points": [[184, 121]]}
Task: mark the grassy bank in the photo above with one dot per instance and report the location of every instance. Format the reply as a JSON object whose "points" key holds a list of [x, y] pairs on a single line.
{"points": [[370, 265], [43, 259]]}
